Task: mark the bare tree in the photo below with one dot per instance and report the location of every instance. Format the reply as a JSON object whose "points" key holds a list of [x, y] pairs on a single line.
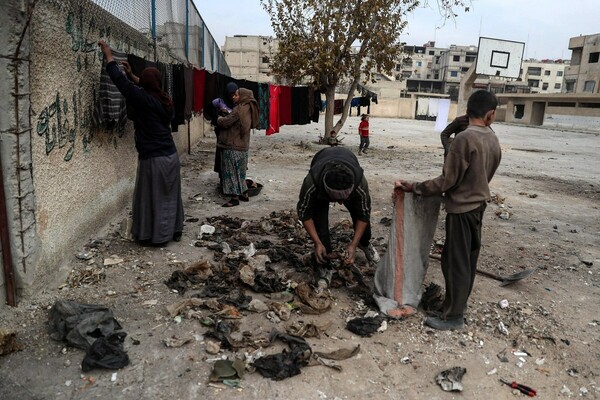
{"points": [[327, 42]]}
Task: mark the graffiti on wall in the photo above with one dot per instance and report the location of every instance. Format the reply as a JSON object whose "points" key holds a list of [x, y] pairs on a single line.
{"points": [[83, 39], [60, 121], [69, 116]]}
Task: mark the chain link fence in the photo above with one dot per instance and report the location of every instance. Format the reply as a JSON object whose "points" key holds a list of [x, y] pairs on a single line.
{"points": [[175, 25]]}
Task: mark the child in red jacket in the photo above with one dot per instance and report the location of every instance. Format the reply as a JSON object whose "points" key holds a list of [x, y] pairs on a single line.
{"points": [[363, 131]]}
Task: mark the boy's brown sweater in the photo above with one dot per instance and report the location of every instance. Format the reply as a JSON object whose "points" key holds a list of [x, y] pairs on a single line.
{"points": [[470, 165]]}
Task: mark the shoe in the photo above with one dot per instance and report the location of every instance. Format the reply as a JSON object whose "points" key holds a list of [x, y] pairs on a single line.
{"points": [[445, 324], [177, 236], [359, 152], [370, 253], [231, 203]]}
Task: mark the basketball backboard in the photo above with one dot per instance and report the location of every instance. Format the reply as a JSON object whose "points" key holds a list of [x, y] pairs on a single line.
{"points": [[497, 57]]}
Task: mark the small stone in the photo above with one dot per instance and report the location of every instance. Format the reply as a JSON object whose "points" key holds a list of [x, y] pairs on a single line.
{"points": [[540, 361], [67, 363], [68, 383], [583, 391], [565, 390], [503, 303], [212, 347], [113, 377]]}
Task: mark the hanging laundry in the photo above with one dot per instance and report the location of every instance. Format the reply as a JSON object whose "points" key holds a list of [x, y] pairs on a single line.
{"points": [[274, 91], [211, 92], [263, 106], [178, 97], [355, 103], [300, 110], [364, 101], [338, 106], [188, 78], [110, 109], [285, 105], [199, 87], [137, 64], [317, 104]]}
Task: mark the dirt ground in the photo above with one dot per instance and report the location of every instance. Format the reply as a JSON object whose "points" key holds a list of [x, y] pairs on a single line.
{"points": [[548, 183]]}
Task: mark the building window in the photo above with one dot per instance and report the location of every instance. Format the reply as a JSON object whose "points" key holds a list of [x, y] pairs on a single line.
{"points": [[431, 52], [533, 83], [535, 71], [265, 60], [545, 86], [398, 67], [570, 88], [453, 74], [419, 64], [589, 86], [547, 73], [559, 73], [557, 86], [594, 57], [519, 111], [456, 58], [469, 58], [464, 69]]}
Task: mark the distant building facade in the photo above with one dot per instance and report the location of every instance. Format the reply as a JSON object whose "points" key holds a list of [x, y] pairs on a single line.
{"points": [[583, 75], [249, 57], [544, 76]]}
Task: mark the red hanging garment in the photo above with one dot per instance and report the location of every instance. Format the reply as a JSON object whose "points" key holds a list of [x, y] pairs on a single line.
{"points": [[285, 105], [273, 109]]}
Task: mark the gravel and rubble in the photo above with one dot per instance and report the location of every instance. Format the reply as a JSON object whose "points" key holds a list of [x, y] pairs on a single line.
{"points": [[238, 275]]}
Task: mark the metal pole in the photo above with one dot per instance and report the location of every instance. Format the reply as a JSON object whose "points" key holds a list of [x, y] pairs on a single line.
{"points": [[7, 264], [187, 31], [203, 48], [153, 2]]}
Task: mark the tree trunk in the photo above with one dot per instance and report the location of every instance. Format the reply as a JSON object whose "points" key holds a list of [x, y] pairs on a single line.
{"points": [[330, 104], [346, 108]]}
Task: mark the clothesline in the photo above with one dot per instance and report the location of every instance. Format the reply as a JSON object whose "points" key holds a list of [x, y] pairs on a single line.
{"points": [[193, 89]]}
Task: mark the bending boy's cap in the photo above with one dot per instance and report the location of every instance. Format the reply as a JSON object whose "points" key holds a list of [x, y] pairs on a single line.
{"points": [[338, 182]]}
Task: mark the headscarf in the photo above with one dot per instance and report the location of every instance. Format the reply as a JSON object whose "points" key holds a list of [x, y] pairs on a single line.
{"points": [[231, 88], [151, 81]]}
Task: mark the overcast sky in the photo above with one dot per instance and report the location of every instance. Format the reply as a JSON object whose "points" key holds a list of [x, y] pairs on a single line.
{"points": [[544, 25]]}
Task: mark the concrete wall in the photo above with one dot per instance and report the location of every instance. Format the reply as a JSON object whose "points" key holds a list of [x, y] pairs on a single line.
{"points": [[82, 176], [402, 108], [15, 141], [536, 111]]}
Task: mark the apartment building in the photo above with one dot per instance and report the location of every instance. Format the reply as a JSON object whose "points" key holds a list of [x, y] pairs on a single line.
{"points": [[249, 57], [453, 64], [416, 68], [583, 75], [544, 76]]}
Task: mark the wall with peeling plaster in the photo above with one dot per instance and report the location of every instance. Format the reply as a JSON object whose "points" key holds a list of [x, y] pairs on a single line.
{"points": [[80, 176]]}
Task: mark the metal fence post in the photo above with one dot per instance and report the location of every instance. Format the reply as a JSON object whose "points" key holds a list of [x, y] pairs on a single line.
{"points": [[187, 31], [153, 2]]}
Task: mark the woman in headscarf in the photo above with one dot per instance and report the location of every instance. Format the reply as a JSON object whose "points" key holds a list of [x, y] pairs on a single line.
{"points": [[157, 210], [234, 139]]}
